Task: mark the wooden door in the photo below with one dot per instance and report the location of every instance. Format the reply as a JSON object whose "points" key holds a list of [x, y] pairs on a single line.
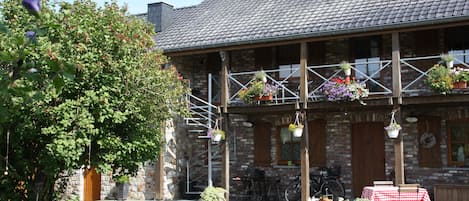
{"points": [[368, 159], [92, 186], [262, 137]]}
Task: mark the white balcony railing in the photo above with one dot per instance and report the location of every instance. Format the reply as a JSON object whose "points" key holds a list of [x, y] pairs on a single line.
{"points": [[414, 71], [380, 78], [287, 85]]}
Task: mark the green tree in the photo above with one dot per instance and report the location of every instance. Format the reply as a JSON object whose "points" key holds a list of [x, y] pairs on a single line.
{"points": [[79, 86]]}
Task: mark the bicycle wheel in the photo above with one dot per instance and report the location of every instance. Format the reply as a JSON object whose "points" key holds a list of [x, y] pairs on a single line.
{"points": [[315, 187], [333, 187], [293, 192]]}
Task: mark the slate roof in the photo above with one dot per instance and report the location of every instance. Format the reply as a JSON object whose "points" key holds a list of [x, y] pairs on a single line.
{"points": [[219, 23]]}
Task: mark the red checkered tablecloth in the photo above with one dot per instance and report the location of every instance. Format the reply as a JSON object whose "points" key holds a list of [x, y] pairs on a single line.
{"points": [[391, 193]]}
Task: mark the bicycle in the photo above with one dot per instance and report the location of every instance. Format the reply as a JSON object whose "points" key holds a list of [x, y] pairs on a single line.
{"points": [[326, 182], [257, 187]]}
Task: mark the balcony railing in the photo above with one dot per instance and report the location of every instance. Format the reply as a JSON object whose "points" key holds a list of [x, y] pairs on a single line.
{"points": [[284, 79], [375, 74], [380, 78], [414, 72]]}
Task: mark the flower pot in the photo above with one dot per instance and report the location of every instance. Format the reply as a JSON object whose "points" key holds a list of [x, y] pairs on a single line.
{"points": [[347, 80], [122, 191], [393, 132], [216, 138], [298, 132], [264, 98], [449, 64], [460, 85], [348, 72]]}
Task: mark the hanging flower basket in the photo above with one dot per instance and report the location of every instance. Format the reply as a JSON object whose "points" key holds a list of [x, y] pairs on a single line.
{"points": [[296, 127], [393, 128], [216, 134]]}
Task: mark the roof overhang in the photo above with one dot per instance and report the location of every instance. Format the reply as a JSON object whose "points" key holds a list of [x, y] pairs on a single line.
{"points": [[318, 36]]}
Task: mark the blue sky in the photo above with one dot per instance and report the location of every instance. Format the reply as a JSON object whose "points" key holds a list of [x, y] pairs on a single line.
{"points": [[140, 6]]}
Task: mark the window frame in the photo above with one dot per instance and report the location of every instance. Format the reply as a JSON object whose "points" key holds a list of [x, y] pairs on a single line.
{"points": [[291, 68], [457, 55], [281, 161], [449, 127]]}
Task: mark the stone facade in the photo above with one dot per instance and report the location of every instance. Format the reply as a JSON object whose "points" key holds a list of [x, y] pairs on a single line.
{"points": [[142, 186]]}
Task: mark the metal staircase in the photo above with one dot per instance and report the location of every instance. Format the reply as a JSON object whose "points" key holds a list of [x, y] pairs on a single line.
{"points": [[201, 166]]}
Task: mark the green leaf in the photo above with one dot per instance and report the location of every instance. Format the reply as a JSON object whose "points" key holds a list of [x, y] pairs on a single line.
{"points": [[58, 83], [3, 28]]}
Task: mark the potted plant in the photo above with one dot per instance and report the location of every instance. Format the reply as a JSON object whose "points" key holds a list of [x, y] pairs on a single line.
{"points": [[439, 79], [213, 194], [297, 129], [338, 90], [346, 67], [216, 134], [122, 186], [258, 91], [460, 77], [448, 59], [393, 129], [268, 91], [261, 76]]}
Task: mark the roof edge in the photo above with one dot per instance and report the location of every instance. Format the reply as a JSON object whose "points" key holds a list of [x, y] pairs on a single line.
{"points": [[319, 34]]}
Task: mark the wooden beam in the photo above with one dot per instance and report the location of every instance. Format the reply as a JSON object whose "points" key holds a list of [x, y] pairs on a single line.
{"points": [[313, 39], [305, 191], [225, 61], [304, 74], [396, 66], [226, 158], [399, 153], [437, 99], [160, 169]]}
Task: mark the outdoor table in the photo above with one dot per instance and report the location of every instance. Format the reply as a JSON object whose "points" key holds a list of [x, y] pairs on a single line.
{"points": [[391, 193]]}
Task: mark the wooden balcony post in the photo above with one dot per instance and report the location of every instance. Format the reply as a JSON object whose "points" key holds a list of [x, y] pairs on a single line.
{"points": [[399, 152], [397, 93], [396, 67], [225, 174], [225, 61], [304, 74], [305, 191]]}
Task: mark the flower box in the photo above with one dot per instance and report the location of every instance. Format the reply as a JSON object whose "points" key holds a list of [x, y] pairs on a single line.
{"points": [[460, 85], [264, 98]]}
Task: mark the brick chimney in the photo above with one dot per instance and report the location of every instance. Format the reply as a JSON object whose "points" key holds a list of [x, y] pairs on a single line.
{"points": [[160, 14]]}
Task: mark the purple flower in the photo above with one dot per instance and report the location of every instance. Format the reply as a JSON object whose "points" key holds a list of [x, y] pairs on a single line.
{"points": [[32, 5], [31, 35]]}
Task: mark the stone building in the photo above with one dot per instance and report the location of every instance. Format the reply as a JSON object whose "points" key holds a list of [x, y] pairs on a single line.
{"points": [[219, 45]]}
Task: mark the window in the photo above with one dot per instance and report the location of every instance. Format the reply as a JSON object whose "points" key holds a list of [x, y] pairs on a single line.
{"points": [[458, 143], [460, 56], [368, 66], [286, 70], [288, 147]]}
